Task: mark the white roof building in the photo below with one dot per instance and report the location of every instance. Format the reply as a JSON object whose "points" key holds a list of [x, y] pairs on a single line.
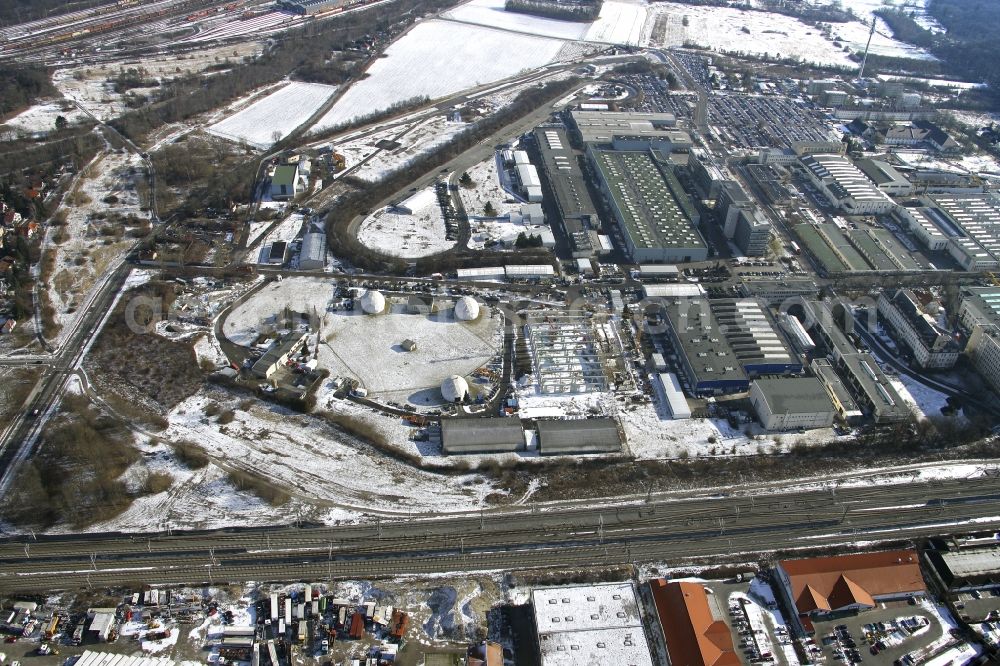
{"points": [[455, 389], [590, 624], [313, 254]]}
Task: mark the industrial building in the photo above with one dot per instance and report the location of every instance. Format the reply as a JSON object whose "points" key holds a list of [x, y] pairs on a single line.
{"points": [[313, 254], [755, 337], [843, 402], [931, 345], [482, 274], [730, 201], [578, 215], [707, 360], [753, 232], [672, 290], [885, 177], [846, 186], [980, 307], [656, 219], [578, 436], [285, 182], [693, 625], [859, 371], [775, 291], [278, 354], [819, 586], [972, 224], [919, 132], [984, 352], [528, 182], [590, 624], [630, 130], [673, 396], [311, 7], [791, 403], [471, 435], [963, 565], [707, 176], [528, 271]]}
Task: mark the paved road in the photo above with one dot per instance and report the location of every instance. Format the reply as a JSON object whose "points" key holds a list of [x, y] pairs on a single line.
{"points": [[515, 538]]}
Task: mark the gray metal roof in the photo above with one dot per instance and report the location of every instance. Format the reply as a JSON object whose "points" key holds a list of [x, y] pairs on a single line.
{"points": [[481, 435], [973, 562], [578, 436], [794, 395], [313, 247]]}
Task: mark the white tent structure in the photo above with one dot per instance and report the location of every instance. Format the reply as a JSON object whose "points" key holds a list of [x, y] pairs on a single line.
{"points": [[467, 309], [372, 302], [455, 389]]}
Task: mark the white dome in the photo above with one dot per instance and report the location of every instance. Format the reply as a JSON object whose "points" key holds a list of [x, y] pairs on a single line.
{"points": [[372, 302], [455, 389], [467, 309]]}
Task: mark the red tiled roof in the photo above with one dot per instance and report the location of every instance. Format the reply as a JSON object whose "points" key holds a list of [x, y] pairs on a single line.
{"points": [[694, 637], [828, 583]]}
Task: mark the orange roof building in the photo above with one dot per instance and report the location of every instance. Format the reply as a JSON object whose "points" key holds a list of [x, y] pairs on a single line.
{"points": [[694, 635], [822, 585]]}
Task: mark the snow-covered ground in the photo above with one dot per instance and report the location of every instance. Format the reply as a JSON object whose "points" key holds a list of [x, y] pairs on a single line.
{"points": [[368, 349], [419, 234], [619, 23], [419, 139], [855, 35], [979, 163], [84, 256], [491, 13], [287, 231], [42, 117], [488, 189], [438, 58], [329, 475], [276, 116], [774, 35]]}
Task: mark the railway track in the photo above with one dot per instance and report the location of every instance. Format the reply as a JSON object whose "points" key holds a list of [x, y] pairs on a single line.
{"points": [[504, 540]]}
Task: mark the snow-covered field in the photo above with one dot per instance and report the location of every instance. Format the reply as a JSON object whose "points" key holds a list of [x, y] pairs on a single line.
{"points": [[276, 116], [438, 58], [749, 32], [855, 34], [980, 163], [410, 236], [619, 23], [368, 349], [42, 117], [421, 138]]}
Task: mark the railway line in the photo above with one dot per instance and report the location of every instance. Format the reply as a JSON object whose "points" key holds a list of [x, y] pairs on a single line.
{"points": [[550, 536]]}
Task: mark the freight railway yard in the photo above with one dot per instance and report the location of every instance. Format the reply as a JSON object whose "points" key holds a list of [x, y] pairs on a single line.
{"points": [[420, 333]]}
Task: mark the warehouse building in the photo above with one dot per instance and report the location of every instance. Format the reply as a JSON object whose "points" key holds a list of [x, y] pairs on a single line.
{"points": [[313, 254], [495, 435], [578, 436], [820, 586], [656, 219], [972, 223], [630, 130], [791, 403], [846, 186], [578, 215], [482, 274], [673, 290], [590, 624], [528, 271], [528, 182], [693, 625], [707, 361], [963, 566], [931, 345], [918, 221], [673, 396], [885, 177], [754, 336]]}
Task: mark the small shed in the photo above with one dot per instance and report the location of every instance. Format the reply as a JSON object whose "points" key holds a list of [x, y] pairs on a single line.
{"points": [[485, 435], [409, 345], [578, 436]]}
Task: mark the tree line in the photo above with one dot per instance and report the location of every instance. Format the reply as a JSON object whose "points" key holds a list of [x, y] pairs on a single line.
{"points": [[584, 11], [21, 86]]}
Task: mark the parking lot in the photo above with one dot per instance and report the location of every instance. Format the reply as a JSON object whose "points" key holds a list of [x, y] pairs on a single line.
{"points": [[759, 632], [753, 121], [880, 636]]}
